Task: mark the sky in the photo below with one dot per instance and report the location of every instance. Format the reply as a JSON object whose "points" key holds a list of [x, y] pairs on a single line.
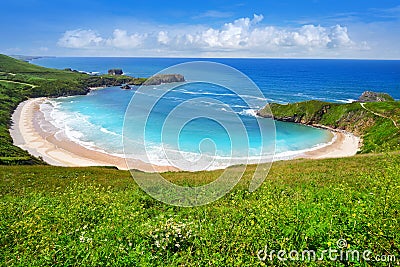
{"points": [[362, 29]]}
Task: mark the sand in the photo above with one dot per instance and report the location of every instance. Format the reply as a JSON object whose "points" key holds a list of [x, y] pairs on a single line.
{"points": [[27, 134], [344, 144]]}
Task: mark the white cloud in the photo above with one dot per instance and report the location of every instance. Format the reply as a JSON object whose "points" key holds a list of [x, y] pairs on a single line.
{"points": [[80, 39], [214, 14], [244, 36], [162, 37], [121, 39], [339, 38]]}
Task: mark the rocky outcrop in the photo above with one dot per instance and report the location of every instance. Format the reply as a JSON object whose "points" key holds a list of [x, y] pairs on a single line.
{"points": [[115, 72], [126, 87], [164, 78], [369, 96]]}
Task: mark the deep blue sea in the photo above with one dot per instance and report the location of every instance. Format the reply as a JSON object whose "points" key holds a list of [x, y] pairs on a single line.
{"points": [[207, 125]]}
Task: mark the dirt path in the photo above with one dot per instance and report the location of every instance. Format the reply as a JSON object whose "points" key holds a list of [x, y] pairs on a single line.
{"points": [[380, 115], [7, 81]]}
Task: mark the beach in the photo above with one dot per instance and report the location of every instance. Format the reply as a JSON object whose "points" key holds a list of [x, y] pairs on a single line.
{"points": [[28, 134], [344, 144]]}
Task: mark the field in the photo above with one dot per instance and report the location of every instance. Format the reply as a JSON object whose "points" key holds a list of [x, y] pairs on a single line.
{"points": [[99, 216]]}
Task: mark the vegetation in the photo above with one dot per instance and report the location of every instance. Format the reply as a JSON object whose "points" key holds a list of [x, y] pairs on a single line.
{"points": [[372, 121], [99, 216]]}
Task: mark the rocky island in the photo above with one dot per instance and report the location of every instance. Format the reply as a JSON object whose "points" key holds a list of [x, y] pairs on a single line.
{"points": [[115, 72]]}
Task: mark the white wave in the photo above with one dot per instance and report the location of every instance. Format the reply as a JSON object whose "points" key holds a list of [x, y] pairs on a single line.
{"points": [[159, 155], [104, 130], [66, 124], [249, 113], [184, 91], [347, 101]]}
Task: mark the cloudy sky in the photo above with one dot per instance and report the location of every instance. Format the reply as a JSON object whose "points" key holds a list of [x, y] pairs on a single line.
{"points": [[207, 28]]}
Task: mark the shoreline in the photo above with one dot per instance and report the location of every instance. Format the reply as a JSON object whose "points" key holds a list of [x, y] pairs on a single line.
{"points": [[343, 144], [27, 133]]}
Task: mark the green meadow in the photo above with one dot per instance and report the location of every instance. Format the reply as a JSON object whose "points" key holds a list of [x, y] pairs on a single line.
{"points": [[98, 216]]}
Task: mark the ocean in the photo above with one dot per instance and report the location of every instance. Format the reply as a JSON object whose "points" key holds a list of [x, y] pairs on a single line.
{"points": [[209, 125]]}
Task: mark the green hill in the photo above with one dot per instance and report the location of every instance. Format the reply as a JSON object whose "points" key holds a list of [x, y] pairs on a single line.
{"points": [[375, 122]]}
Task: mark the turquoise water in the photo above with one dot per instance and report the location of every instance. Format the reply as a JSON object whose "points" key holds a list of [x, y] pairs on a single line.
{"points": [[199, 125], [96, 121]]}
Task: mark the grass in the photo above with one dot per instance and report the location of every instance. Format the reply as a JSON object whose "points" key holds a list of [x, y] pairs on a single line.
{"points": [[389, 109], [99, 216]]}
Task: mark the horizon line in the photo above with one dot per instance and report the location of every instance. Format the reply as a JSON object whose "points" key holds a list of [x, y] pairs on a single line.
{"points": [[193, 57]]}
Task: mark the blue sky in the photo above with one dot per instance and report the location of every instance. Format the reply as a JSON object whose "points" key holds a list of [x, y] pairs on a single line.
{"points": [[294, 29]]}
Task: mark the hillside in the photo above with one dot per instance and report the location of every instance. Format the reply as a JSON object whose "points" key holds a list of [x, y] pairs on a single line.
{"points": [[20, 80], [375, 122]]}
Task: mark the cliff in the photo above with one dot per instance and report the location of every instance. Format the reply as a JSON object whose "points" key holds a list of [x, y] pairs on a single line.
{"points": [[369, 96]]}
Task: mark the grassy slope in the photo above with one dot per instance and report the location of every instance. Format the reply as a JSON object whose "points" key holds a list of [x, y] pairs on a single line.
{"points": [[20, 80], [97, 216], [379, 134]]}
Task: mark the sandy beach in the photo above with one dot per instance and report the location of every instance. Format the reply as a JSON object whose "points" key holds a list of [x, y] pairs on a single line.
{"points": [[344, 144], [27, 134]]}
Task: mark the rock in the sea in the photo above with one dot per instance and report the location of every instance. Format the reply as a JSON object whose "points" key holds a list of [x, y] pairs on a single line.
{"points": [[165, 78], [369, 96], [115, 72], [126, 87]]}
